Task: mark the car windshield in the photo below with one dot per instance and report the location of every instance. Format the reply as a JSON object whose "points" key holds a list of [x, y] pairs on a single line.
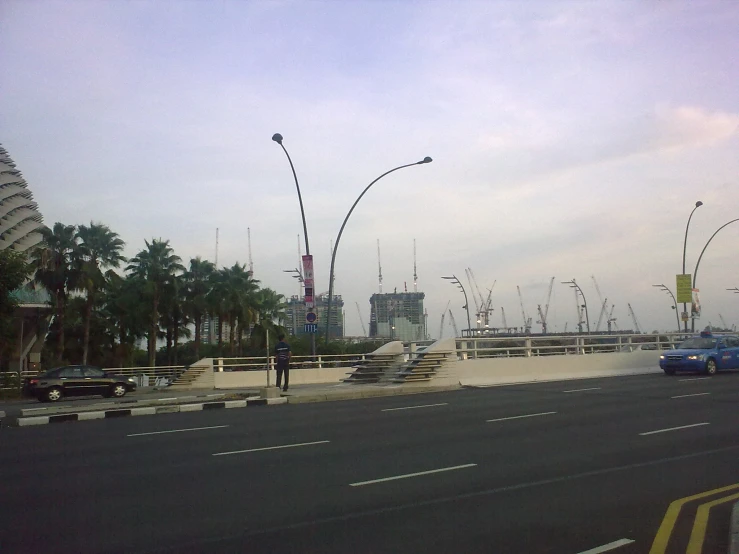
{"points": [[698, 343]]}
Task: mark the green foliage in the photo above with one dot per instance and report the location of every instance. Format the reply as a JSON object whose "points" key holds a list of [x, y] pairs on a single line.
{"points": [[14, 270]]}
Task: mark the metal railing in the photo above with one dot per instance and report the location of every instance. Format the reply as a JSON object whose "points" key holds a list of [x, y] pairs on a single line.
{"points": [[296, 362], [554, 345]]}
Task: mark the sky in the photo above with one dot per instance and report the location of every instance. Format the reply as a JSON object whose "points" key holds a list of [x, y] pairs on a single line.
{"points": [[569, 138]]}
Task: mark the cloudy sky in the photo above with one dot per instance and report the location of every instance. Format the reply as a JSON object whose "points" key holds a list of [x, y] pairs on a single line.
{"points": [[569, 139]]}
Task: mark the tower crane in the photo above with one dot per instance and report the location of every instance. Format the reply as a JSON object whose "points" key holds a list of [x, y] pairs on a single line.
{"points": [[364, 329], [248, 242], [487, 305], [379, 265], [633, 318], [443, 314], [505, 323], [467, 272], [482, 300], [453, 323], [723, 322], [415, 273], [526, 319], [603, 309], [543, 314], [611, 320]]}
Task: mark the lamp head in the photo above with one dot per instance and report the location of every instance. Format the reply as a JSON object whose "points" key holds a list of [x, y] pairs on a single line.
{"points": [[277, 137], [698, 204], [426, 160]]}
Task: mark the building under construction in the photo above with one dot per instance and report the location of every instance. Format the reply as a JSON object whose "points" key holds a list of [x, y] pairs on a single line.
{"points": [[295, 315], [398, 316]]}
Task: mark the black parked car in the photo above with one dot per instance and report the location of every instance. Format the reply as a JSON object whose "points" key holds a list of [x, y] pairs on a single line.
{"points": [[77, 380]]}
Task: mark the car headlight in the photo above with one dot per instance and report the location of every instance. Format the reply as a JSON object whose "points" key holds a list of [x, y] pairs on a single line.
{"points": [[661, 356], [696, 357], [132, 379]]}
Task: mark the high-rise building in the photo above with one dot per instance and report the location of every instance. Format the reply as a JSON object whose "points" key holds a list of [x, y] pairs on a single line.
{"points": [[398, 316], [296, 311]]}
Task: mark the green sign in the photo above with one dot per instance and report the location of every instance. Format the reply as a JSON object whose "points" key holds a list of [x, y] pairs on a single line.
{"points": [[684, 288]]}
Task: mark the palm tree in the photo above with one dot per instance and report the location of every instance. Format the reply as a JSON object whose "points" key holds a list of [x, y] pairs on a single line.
{"points": [[124, 309], [54, 263], [271, 314], [240, 300], [196, 289], [157, 266], [99, 248], [216, 301]]}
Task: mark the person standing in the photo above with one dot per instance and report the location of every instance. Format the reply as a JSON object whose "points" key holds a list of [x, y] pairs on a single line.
{"points": [[282, 357]]}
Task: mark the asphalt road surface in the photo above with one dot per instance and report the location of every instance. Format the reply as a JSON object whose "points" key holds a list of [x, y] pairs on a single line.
{"points": [[569, 467]]}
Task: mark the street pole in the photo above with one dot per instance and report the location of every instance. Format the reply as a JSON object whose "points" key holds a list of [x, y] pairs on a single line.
{"points": [[466, 306], [685, 246], [426, 160], [277, 137], [695, 273], [573, 284], [674, 303]]}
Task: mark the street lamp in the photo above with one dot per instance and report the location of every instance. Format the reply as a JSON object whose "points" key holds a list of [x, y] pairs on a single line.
{"points": [[277, 137], [466, 306], [685, 246], [735, 289], [426, 160], [573, 285], [695, 273], [674, 302]]}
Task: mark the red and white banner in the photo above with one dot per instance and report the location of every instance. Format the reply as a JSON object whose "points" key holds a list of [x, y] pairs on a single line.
{"points": [[308, 280]]}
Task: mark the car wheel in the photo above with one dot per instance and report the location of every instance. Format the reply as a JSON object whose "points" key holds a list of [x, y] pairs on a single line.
{"points": [[669, 371], [118, 390], [711, 366], [54, 394]]}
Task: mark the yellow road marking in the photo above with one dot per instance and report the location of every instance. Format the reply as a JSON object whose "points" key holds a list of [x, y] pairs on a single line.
{"points": [[698, 534], [659, 546]]}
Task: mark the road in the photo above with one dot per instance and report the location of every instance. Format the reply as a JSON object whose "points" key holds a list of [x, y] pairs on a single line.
{"points": [[596, 462]]}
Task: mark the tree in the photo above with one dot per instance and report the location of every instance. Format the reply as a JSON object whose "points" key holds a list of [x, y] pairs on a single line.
{"points": [[271, 315], [157, 266], [240, 300], [14, 270], [196, 290], [55, 266], [99, 248], [125, 310]]}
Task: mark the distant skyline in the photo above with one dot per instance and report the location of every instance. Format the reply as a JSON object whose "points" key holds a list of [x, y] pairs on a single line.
{"points": [[569, 139]]}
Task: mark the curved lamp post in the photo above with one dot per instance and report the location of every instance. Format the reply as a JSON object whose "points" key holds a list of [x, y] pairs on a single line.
{"points": [[426, 160], [466, 306], [277, 137], [674, 302], [574, 285], [695, 273], [685, 246]]}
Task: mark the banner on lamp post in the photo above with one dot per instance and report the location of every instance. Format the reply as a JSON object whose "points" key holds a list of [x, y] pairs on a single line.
{"points": [[684, 285], [308, 280], [695, 306]]}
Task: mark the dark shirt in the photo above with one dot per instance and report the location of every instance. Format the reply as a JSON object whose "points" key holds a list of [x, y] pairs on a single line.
{"points": [[282, 353]]}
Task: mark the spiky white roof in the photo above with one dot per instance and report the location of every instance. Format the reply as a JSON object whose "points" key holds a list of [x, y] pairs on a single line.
{"points": [[20, 219]]}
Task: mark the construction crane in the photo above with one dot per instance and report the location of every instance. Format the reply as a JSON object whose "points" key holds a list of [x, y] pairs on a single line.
{"points": [[248, 242], [453, 324], [379, 265], [597, 288], [543, 314], [526, 319], [467, 272], [482, 300], [415, 273], [723, 322], [633, 318], [603, 310], [502, 313], [443, 314], [364, 329], [611, 321]]}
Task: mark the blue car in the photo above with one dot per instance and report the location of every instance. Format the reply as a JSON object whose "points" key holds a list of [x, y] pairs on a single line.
{"points": [[706, 354]]}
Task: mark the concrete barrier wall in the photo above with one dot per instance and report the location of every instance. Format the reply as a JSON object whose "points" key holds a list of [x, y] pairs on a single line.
{"points": [[255, 379], [491, 371]]}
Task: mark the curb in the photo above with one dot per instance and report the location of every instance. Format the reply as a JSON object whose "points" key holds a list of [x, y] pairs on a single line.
{"points": [[359, 394], [149, 410], [734, 530]]}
